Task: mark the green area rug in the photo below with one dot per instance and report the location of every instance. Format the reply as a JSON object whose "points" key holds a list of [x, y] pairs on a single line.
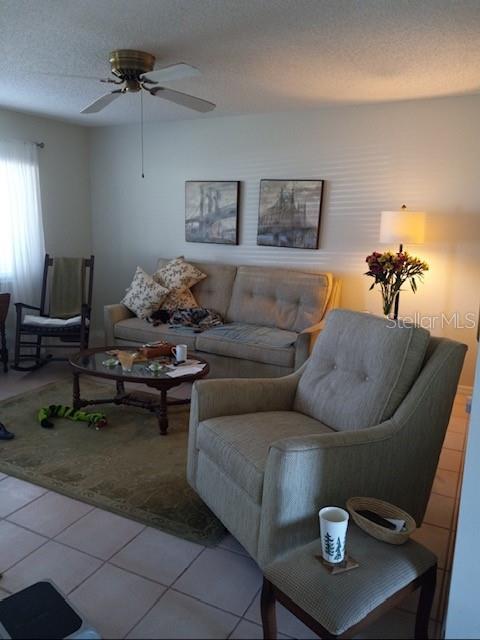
{"points": [[125, 467]]}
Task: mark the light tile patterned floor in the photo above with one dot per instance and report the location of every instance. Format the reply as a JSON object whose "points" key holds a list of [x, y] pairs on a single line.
{"points": [[136, 582]]}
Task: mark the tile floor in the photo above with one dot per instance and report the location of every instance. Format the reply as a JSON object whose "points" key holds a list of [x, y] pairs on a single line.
{"points": [[133, 581]]}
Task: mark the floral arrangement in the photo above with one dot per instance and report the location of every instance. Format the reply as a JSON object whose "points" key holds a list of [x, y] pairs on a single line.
{"points": [[391, 271]]}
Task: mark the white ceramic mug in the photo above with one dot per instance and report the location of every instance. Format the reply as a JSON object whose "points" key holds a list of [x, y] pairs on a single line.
{"points": [[333, 533], [180, 352]]}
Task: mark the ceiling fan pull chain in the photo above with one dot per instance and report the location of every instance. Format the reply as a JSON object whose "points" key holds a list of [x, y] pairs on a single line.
{"points": [[141, 128]]}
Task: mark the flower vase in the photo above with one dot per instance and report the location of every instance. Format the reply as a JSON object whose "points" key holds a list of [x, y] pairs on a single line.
{"points": [[389, 306]]}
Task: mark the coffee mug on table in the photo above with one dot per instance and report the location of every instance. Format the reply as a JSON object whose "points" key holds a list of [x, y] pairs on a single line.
{"points": [[333, 533], [180, 352]]}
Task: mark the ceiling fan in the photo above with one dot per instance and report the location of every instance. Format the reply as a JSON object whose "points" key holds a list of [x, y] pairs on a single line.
{"points": [[134, 71]]}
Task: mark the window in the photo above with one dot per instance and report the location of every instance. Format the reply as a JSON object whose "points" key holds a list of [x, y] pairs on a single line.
{"points": [[21, 226]]}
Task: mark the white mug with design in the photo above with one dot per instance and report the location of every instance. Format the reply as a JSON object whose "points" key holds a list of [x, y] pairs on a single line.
{"points": [[180, 352], [333, 533]]}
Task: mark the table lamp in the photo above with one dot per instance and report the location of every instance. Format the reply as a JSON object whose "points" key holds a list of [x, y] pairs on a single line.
{"points": [[402, 227]]}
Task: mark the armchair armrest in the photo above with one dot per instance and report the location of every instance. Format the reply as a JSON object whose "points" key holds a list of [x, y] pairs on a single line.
{"points": [[306, 473], [234, 396], [113, 313]]}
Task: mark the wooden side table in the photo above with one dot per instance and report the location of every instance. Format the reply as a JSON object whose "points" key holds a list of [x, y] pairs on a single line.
{"points": [[339, 606], [4, 304]]}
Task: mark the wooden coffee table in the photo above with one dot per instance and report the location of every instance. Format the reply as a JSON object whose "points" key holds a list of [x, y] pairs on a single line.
{"points": [[89, 362]]}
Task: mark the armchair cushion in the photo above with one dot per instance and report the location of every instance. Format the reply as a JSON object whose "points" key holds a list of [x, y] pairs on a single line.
{"points": [[239, 444], [360, 370], [250, 342]]}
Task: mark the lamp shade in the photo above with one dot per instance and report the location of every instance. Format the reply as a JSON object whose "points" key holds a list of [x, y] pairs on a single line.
{"points": [[402, 227]]}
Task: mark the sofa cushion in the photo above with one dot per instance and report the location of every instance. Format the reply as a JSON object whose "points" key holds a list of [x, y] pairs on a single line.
{"points": [[239, 444], [360, 370], [144, 295], [178, 274], [137, 330], [250, 342], [213, 292], [179, 299], [283, 298]]}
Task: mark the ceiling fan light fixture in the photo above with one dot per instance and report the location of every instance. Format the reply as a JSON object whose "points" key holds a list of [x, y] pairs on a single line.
{"points": [[130, 64], [132, 86]]}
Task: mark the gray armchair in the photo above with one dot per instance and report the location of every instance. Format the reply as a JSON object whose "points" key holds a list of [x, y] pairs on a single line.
{"points": [[365, 415]]}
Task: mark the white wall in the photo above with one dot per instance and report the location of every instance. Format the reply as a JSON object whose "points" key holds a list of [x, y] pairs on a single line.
{"points": [[424, 153], [463, 617], [64, 179]]}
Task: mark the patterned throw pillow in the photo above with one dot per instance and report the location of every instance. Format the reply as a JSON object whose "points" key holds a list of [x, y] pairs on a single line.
{"points": [[144, 295], [178, 274], [179, 299]]}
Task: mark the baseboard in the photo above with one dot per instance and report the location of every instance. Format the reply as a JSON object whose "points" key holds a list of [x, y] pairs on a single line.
{"points": [[466, 389]]}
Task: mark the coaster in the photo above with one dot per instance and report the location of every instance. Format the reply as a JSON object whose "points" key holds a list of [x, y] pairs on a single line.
{"points": [[347, 565]]}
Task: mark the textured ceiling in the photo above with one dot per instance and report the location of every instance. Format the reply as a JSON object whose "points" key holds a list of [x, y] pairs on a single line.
{"points": [[255, 55]]}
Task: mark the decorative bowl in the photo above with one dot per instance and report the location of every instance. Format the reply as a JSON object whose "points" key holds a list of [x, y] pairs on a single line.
{"points": [[385, 510]]}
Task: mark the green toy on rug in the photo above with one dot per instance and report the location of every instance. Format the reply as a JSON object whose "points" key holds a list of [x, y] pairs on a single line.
{"points": [[94, 419]]}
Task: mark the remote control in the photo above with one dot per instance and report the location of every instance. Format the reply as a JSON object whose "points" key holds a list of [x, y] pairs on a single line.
{"points": [[374, 517]]}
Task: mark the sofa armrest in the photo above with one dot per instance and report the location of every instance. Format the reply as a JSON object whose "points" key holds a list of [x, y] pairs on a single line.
{"points": [[306, 339], [315, 328], [306, 473], [113, 313], [334, 297]]}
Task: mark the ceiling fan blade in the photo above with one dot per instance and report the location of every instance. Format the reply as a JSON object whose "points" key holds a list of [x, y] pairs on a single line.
{"points": [[172, 72], [191, 102], [76, 77], [102, 102]]}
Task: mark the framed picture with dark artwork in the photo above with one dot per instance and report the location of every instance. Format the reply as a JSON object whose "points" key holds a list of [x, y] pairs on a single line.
{"points": [[211, 211], [289, 213]]}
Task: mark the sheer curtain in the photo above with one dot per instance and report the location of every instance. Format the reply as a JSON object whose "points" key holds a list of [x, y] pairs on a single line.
{"points": [[22, 246]]}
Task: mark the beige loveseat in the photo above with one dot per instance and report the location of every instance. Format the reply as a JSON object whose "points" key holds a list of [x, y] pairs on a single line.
{"points": [[272, 317]]}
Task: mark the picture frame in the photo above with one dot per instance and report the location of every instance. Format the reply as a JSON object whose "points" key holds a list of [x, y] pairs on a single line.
{"points": [[289, 213], [211, 211]]}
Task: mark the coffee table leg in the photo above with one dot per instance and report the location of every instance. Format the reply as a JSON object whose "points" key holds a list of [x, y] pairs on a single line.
{"points": [[162, 413], [76, 392]]}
